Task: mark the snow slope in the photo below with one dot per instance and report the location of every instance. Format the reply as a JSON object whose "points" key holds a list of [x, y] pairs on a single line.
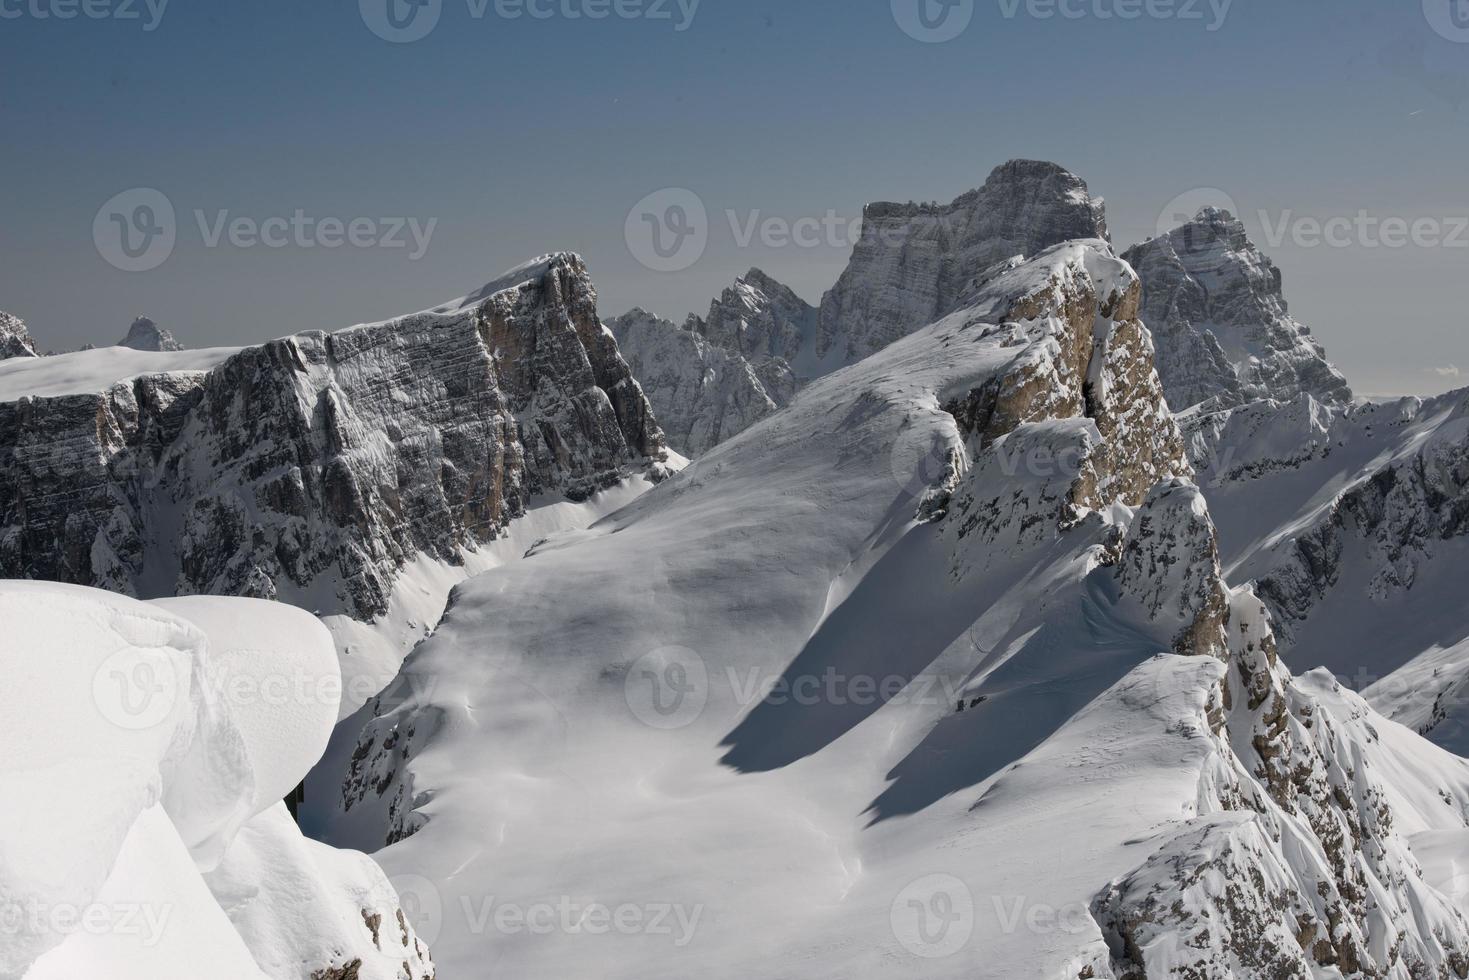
{"points": [[890, 685], [143, 837], [1356, 525]]}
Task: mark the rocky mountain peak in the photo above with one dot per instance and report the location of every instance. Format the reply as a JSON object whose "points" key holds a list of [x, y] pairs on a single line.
{"points": [[144, 334], [915, 263], [1216, 304], [321, 464], [15, 340]]}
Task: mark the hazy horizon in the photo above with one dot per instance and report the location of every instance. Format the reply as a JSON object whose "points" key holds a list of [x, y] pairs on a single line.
{"points": [[1332, 114]]}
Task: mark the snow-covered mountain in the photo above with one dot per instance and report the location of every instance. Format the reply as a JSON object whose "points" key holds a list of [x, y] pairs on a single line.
{"points": [[144, 334], [934, 673], [1354, 523], [913, 264], [701, 392], [1215, 304], [15, 340], [319, 468], [150, 745]]}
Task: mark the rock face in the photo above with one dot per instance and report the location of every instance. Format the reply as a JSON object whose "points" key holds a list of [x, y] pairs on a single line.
{"points": [[144, 334], [702, 392], [1030, 430], [312, 468], [15, 340], [761, 319], [1214, 303], [915, 263], [1080, 401]]}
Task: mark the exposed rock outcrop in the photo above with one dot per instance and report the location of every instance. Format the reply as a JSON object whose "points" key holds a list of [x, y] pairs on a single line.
{"points": [[144, 334], [312, 468], [1215, 305], [915, 263], [15, 340], [702, 392], [1077, 420]]}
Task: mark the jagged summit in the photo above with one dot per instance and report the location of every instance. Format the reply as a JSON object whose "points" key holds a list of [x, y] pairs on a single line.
{"points": [[146, 335], [915, 262], [15, 340], [1224, 332], [533, 270]]}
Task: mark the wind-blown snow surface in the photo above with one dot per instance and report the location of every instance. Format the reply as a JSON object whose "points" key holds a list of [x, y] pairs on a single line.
{"points": [[883, 687], [143, 837]]}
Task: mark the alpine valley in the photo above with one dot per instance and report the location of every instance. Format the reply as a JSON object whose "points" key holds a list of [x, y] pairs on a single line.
{"points": [[1027, 607]]}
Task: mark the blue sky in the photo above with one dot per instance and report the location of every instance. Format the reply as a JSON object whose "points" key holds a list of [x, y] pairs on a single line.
{"points": [[519, 136]]}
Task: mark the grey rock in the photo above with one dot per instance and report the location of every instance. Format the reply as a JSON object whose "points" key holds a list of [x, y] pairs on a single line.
{"points": [[703, 393], [1216, 308], [15, 340], [144, 334], [312, 468], [915, 263]]}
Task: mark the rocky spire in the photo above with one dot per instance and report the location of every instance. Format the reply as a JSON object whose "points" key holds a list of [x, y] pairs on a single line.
{"points": [[15, 340], [1216, 308], [915, 262], [144, 334]]}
